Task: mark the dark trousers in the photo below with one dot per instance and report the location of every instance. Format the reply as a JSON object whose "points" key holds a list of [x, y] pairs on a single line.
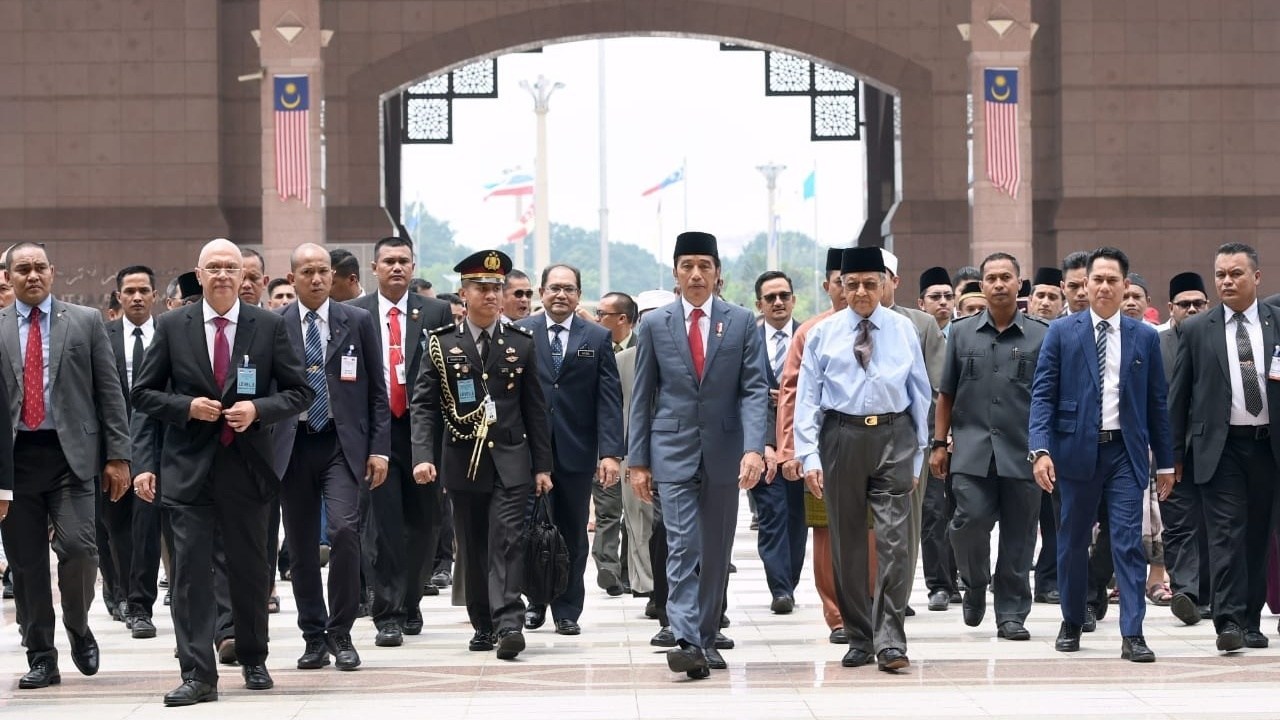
{"points": [[980, 503], [487, 526], [658, 560], [1237, 505], [570, 504], [1186, 543], [935, 544], [445, 545], [1047, 560], [234, 501], [319, 476], [782, 534], [402, 530], [114, 580], [133, 526], [45, 493], [1115, 484]]}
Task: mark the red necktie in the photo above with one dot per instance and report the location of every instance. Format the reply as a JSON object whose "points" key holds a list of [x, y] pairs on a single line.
{"points": [[33, 374], [399, 400], [221, 367], [695, 341]]}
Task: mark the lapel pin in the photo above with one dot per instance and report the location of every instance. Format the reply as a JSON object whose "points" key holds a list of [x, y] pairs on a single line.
{"points": [[719, 329], [414, 314]]}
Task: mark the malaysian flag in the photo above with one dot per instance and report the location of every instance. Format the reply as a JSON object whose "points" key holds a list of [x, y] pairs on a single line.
{"points": [[1000, 95], [293, 137], [525, 225]]}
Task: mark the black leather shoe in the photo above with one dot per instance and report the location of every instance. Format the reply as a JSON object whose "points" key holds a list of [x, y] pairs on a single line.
{"points": [[1184, 608], [535, 616], [909, 612], [939, 600], [42, 674], [256, 677], [839, 637], [724, 621], [1206, 611], [141, 627], [975, 606], [510, 644], [1090, 621], [724, 642], [168, 600], [190, 692], [715, 660], [413, 622], [481, 642], [345, 656], [567, 627], [856, 658], [1012, 630], [1068, 638], [442, 579], [783, 605], [664, 638], [651, 610], [314, 656], [689, 660], [227, 651], [1134, 648], [389, 635], [892, 659], [956, 597], [1255, 639], [1231, 638], [84, 652], [429, 590], [1047, 598]]}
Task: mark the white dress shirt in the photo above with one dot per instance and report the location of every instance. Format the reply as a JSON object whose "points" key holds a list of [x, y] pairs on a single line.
{"points": [[704, 325], [211, 330], [384, 308], [1239, 415], [148, 332], [1111, 373]]}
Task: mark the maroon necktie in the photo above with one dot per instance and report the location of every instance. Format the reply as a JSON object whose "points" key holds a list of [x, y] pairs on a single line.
{"points": [[222, 366], [695, 341], [33, 374], [399, 398]]}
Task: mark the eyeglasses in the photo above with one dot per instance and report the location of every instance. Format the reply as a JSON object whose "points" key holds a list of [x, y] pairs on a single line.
{"points": [[221, 269], [603, 314], [557, 289], [870, 285], [939, 297], [771, 298], [1188, 304], [522, 294]]}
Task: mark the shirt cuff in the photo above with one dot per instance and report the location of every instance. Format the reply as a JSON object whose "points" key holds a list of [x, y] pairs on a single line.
{"points": [[1164, 471], [384, 457], [6, 494], [812, 462]]}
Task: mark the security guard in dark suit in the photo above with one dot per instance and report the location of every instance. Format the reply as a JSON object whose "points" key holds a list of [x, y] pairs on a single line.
{"points": [[480, 382]]}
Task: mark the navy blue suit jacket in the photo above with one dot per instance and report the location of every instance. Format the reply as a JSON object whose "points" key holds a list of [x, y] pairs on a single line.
{"points": [[1064, 398], [584, 400]]}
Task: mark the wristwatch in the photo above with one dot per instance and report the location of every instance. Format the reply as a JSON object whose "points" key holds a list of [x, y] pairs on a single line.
{"points": [[934, 445], [1036, 454]]}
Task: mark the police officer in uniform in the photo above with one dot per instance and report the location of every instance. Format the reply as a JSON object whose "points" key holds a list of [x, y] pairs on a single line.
{"points": [[480, 380]]}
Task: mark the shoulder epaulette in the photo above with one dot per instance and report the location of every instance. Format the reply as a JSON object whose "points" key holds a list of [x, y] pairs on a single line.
{"points": [[1037, 318], [967, 317], [520, 329]]}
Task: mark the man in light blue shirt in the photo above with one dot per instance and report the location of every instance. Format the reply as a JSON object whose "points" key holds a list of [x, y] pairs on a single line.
{"points": [[860, 423]]}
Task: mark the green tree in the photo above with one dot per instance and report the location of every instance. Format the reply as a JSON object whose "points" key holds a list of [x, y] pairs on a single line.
{"points": [[796, 256]]}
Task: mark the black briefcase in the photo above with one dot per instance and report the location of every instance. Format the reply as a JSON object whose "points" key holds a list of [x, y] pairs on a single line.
{"points": [[546, 557]]}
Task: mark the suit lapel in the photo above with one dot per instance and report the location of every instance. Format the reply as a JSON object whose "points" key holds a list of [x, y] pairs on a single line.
{"points": [[293, 327], [338, 333], [57, 338], [1088, 344], [116, 331], [245, 328], [497, 347], [719, 325], [573, 342], [200, 345], [12, 346], [413, 330], [1218, 340], [542, 346], [1270, 339], [680, 336], [1127, 332]]}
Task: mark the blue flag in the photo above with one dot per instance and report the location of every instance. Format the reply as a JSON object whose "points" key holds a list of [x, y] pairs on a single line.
{"points": [[1000, 85], [291, 93], [810, 185]]}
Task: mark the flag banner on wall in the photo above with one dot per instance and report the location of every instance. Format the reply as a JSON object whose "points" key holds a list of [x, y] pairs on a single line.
{"points": [[1000, 95], [293, 137]]}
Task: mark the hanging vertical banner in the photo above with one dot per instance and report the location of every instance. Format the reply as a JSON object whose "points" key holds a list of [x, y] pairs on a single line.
{"points": [[1000, 95], [293, 137]]}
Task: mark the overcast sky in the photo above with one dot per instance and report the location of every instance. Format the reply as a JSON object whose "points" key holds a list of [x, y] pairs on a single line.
{"points": [[669, 101]]}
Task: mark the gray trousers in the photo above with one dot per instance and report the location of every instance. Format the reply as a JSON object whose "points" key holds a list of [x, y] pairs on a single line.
{"points": [[700, 516], [980, 503], [608, 535], [870, 467], [637, 520]]}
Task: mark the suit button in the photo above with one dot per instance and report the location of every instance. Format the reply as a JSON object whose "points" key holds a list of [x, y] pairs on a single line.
{"points": [[484, 376], [490, 443], [556, 385]]}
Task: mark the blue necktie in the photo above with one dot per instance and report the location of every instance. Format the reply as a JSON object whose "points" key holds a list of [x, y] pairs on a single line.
{"points": [[779, 353], [557, 349], [318, 413]]}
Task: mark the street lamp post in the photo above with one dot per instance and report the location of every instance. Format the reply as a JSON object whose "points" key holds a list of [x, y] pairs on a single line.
{"points": [[771, 172], [541, 91]]}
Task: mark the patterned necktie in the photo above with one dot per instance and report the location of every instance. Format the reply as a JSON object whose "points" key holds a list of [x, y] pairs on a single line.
{"points": [[862, 343], [779, 353], [695, 341], [617, 348], [318, 413], [557, 349], [33, 374], [221, 369], [1103, 326], [1248, 371], [137, 356], [399, 398]]}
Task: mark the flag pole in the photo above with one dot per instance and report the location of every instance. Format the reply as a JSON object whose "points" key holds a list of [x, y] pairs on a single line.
{"points": [[684, 175], [661, 277]]}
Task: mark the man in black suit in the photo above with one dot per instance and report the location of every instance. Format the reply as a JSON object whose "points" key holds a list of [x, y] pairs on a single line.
{"points": [[403, 523], [68, 410], [579, 378], [218, 374], [1226, 386], [132, 524], [480, 386], [324, 455]]}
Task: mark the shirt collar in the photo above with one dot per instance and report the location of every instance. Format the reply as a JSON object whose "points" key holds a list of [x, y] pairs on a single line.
{"points": [[475, 329], [986, 321], [322, 312], [688, 306], [46, 306], [385, 304], [1250, 313], [876, 317], [232, 315], [624, 340], [566, 323], [771, 332], [146, 327], [1113, 321]]}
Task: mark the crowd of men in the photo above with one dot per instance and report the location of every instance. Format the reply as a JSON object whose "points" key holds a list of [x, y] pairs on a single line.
{"points": [[401, 438]]}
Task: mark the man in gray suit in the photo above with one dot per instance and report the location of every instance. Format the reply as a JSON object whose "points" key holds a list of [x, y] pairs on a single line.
{"points": [[67, 407], [699, 403]]}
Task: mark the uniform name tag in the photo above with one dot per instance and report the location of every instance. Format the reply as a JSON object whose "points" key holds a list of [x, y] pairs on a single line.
{"points": [[456, 359], [585, 353], [246, 380], [348, 372], [467, 391]]}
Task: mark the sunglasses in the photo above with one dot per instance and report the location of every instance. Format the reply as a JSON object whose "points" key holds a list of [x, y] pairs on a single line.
{"points": [[522, 294], [775, 297], [1188, 304]]}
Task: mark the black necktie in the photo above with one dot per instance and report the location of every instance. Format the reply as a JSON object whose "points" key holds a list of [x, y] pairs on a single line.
{"points": [[557, 349], [1248, 373], [137, 355], [483, 346]]}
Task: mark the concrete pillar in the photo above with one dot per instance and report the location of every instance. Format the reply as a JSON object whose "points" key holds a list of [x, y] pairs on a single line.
{"points": [[1000, 35], [285, 50]]}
